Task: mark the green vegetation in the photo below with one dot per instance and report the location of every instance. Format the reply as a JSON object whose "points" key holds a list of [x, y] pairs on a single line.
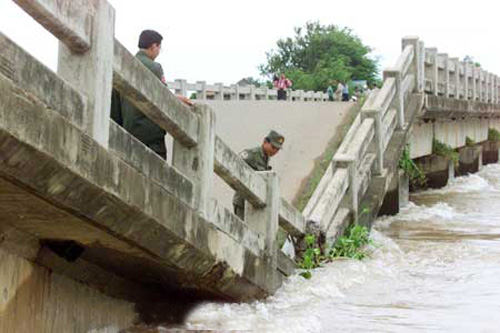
{"points": [[469, 142], [350, 245], [416, 175], [442, 149], [312, 257], [493, 134], [319, 54]]}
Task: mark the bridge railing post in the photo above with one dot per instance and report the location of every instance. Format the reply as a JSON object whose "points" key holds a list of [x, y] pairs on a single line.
{"points": [[91, 72], [265, 220], [399, 97], [201, 92], [446, 74], [417, 66], [182, 84], [197, 163], [456, 78], [467, 85], [432, 52]]}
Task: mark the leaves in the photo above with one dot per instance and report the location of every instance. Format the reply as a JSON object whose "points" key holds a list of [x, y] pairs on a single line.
{"points": [[319, 54]]}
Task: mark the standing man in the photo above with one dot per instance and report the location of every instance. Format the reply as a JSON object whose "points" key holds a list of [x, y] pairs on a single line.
{"points": [[258, 159], [126, 114]]}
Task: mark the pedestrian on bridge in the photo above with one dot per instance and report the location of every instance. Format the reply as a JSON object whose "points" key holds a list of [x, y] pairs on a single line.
{"points": [[282, 84], [130, 117], [258, 159]]}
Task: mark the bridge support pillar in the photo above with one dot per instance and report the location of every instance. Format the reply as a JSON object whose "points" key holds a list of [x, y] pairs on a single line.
{"points": [[265, 220], [92, 72], [198, 162], [403, 189]]}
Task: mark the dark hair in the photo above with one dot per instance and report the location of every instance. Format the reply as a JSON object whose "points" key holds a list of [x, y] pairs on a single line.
{"points": [[148, 38]]}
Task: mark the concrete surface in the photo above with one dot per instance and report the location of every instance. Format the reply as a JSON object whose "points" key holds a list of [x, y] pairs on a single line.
{"points": [[307, 127]]}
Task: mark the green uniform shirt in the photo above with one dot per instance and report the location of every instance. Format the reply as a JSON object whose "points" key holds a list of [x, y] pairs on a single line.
{"points": [[258, 161], [133, 120]]}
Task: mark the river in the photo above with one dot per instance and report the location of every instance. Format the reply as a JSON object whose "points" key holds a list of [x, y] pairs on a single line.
{"points": [[433, 267]]}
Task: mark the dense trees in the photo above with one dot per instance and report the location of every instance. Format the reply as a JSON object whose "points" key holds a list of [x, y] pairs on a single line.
{"points": [[318, 54]]}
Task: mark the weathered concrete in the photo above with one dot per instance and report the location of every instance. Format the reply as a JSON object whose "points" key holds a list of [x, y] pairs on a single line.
{"points": [[69, 21], [470, 160], [121, 215], [490, 152], [92, 72], [436, 170], [31, 294]]}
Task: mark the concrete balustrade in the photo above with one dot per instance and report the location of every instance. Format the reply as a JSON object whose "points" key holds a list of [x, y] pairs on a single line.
{"points": [[120, 202], [219, 91]]}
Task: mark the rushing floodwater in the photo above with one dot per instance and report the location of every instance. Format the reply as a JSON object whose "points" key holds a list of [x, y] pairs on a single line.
{"points": [[434, 267]]}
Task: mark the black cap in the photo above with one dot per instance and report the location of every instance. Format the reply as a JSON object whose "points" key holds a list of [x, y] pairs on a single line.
{"points": [[148, 38]]}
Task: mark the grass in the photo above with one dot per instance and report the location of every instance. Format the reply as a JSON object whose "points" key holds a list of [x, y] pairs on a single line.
{"points": [[442, 149], [493, 135], [310, 183], [416, 175]]}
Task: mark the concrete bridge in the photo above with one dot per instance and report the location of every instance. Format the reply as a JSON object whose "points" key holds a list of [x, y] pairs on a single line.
{"points": [[95, 225]]}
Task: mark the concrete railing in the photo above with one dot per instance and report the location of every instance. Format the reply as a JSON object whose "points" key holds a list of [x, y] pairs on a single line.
{"points": [[218, 91], [449, 77], [361, 153], [94, 63]]}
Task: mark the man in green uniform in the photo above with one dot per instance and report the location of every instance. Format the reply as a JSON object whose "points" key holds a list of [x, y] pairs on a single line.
{"points": [[258, 159], [126, 114]]}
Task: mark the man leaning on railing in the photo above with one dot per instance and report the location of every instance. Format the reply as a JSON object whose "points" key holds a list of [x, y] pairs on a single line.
{"points": [[131, 118], [258, 159]]}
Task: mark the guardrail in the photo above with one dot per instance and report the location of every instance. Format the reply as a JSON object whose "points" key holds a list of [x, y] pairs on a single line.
{"points": [[234, 92], [449, 77], [93, 62], [361, 154]]}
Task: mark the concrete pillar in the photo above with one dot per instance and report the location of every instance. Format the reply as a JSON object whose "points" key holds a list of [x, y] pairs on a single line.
{"points": [[403, 189], [219, 91], [399, 97], [201, 92], [434, 70], [265, 220], [417, 66], [451, 170], [91, 73], [353, 190], [474, 84], [456, 78], [197, 163], [301, 95], [182, 87], [252, 93], [266, 93], [466, 79], [446, 74], [235, 92]]}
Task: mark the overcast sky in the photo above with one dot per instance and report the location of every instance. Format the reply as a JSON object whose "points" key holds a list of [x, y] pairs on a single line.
{"points": [[225, 40]]}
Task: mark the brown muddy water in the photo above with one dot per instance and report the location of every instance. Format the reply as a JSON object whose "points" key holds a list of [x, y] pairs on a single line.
{"points": [[435, 267]]}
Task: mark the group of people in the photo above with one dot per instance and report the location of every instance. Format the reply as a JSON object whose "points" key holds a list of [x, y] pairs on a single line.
{"points": [[124, 112], [341, 93]]}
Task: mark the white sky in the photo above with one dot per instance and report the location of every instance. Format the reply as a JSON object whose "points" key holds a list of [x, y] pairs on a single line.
{"points": [[225, 40]]}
